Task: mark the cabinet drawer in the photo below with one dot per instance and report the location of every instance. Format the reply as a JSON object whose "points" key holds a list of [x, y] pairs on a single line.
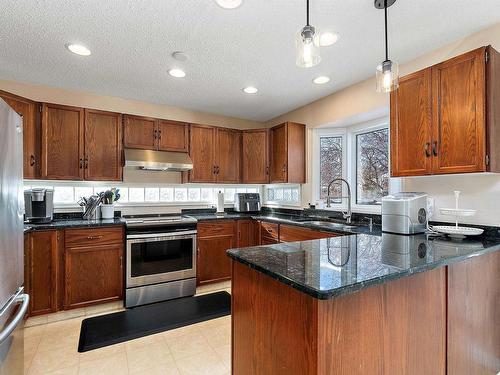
{"points": [[290, 233], [216, 228], [93, 236]]}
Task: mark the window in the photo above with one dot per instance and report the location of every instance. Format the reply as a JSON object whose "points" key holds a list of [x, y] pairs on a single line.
{"points": [[358, 154], [287, 195], [372, 166], [330, 155]]}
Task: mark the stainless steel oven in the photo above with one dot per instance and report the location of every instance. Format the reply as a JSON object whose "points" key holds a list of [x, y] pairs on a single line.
{"points": [[160, 259]]}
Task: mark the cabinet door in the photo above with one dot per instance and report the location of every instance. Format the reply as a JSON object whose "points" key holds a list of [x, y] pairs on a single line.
{"points": [[43, 269], [202, 152], [255, 157], [103, 146], [268, 233], [247, 233], [173, 136], [458, 91], [93, 275], [214, 239], [228, 149], [290, 233], [62, 142], [411, 125], [279, 152], [140, 132], [31, 145]]}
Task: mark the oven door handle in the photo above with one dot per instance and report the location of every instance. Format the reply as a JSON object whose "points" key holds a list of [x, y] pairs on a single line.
{"points": [[160, 236]]}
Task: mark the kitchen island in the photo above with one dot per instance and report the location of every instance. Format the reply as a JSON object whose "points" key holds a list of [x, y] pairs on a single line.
{"points": [[365, 304]]}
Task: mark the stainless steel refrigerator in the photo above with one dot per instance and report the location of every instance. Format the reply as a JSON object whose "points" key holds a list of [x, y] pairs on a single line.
{"points": [[13, 301]]}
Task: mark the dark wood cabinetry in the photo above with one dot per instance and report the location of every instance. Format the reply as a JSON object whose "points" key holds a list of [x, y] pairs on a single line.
{"points": [[202, 151], [62, 142], [228, 155], [214, 239], [103, 146], [268, 233], [28, 110], [444, 118], [288, 157], [155, 134], [247, 233], [290, 233], [93, 271], [42, 257], [255, 156]]}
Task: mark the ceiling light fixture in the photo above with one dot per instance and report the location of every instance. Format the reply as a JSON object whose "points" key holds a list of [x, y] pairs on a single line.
{"points": [[229, 4], [250, 90], [388, 71], [306, 45], [180, 56], [327, 39], [78, 49], [177, 73], [321, 80]]}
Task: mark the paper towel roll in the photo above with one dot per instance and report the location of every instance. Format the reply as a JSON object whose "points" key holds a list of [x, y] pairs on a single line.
{"points": [[220, 202]]}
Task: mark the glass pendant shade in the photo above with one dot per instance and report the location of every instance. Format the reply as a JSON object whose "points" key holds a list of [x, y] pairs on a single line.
{"points": [[307, 47], [387, 76]]}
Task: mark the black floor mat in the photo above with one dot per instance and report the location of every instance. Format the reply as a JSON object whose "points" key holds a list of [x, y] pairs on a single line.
{"points": [[141, 321]]}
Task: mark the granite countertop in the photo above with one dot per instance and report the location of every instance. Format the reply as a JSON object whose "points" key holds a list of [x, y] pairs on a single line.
{"points": [[330, 268], [72, 223], [296, 220]]}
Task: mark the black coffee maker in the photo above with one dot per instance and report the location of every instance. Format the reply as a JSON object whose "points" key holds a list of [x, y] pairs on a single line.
{"points": [[39, 205]]}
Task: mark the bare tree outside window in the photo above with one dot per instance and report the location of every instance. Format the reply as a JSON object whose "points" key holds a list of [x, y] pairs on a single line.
{"points": [[372, 162], [330, 159]]}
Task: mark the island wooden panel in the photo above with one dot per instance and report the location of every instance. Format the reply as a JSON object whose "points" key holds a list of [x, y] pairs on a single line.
{"points": [[474, 316], [398, 327], [274, 327]]}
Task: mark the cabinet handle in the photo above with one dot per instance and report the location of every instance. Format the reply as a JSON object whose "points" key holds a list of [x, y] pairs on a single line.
{"points": [[32, 160], [218, 169], [427, 150], [267, 171], [435, 148], [284, 168], [121, 261], [159, 134], [86, 163], [93, 237], [81, 163], [214, 170], [155, 135]]}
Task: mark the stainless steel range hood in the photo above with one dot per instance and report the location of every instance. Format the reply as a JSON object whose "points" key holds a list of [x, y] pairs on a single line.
{"points": [[157, 160]]}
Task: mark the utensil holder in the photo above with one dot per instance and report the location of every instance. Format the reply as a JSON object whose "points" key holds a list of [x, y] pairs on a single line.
{"points": [[107, 211]]}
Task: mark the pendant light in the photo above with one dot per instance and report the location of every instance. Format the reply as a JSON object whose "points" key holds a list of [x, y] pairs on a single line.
{"points": [[306, 44], [387, 71]]}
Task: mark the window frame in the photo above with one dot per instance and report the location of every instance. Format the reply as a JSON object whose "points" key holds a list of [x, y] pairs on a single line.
{"points": [[349, 163]]}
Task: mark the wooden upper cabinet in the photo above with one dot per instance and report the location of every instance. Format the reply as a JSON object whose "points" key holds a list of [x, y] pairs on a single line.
{"points": [[28, 110], [228, 155], [255, 156], [444, 118], [288, 163], [62, 142], [411, 116], [459, 121], [173, 136], [140, 132], [103, 146], [202, 151]]}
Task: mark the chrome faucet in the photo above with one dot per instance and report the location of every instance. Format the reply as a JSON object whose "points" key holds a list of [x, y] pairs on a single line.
{"points": [[347, 215]]}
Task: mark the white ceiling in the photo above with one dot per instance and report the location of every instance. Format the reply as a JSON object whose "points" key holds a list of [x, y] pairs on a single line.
{"points": [[132, 42]]}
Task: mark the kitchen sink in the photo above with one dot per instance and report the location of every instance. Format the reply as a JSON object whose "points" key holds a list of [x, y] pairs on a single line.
{"points": [[329, 224]]}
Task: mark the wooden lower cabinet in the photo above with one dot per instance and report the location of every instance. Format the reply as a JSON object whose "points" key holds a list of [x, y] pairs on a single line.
{"points": [[247, 233], [43, 269], [93, 275], [268, 233], [290, 233], [214, 239]]}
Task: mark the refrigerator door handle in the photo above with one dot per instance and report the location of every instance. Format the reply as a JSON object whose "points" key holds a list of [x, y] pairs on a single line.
{"points": [[25, 300]]}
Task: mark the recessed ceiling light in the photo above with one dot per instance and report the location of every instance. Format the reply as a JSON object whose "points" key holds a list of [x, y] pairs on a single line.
{"points": [[78, 49], [177, 73], [250, 90], [327, 39], [180, 56], [321, 80], [229, 4]]}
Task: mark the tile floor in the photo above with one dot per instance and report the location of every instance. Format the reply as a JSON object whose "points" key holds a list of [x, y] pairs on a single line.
{"points": [[51, 343]]}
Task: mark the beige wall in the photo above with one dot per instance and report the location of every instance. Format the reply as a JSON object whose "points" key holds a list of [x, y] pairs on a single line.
{"points": [[115, 104], [359, 99]]}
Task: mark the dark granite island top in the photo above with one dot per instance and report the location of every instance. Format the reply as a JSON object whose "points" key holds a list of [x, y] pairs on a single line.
{"points": [[365, 304], [332, 267]]}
